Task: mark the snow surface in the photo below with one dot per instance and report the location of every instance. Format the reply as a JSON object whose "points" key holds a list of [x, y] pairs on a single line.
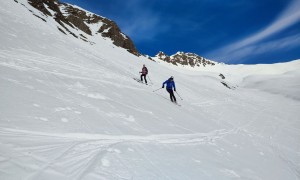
{"points": [[71, 110]]}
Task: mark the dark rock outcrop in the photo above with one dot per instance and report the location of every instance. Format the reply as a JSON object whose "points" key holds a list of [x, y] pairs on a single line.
{"points": [[226, 84], [79, 19], [111, 30], [222, 76]]}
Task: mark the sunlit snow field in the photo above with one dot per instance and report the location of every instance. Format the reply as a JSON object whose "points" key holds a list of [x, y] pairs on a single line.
{"points": [[71, 110]]}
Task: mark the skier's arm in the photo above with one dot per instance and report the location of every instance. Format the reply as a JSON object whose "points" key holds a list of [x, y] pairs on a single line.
{"points": [[163, 85], [174, 86]]}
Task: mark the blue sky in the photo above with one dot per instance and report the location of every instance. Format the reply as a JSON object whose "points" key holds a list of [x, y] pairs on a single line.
{"points": [[230, 31]]}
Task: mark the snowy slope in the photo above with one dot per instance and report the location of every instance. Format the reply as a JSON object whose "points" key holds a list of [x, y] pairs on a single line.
{"points": [[71, 110]]}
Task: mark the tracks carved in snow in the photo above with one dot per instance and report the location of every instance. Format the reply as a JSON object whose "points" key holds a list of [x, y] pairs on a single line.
{"points": [[77, 155], [197, 138]]}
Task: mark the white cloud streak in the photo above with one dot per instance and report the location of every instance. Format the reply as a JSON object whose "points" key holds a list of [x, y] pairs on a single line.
{"points": [[256, 49], [241, 48]]}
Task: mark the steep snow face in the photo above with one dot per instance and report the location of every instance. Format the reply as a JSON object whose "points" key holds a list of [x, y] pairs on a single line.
{"points": [[71, 110]]}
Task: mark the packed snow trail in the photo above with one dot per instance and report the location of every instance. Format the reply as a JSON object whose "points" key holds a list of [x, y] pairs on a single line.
{"points": [[71, 110]]}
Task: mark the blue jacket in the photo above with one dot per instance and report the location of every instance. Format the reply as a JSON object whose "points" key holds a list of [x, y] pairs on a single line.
{"points": [[170, 84]]}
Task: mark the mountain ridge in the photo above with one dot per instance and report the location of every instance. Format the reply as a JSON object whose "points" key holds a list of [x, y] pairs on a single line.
{"points": [[74, 18], [71, 19], [185, 59], [81, 23]]}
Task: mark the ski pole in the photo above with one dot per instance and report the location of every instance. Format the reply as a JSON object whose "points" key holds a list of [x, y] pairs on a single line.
{"points": [[150, 79], [178, 95], [157, 89]]}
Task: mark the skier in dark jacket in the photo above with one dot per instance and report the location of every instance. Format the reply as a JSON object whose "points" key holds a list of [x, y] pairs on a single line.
{"points": [[170, 85], [144, 73]]}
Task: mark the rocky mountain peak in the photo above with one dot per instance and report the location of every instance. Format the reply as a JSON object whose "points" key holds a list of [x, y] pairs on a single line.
{"points": [[161, 55], [80, 23], [185, 59]]}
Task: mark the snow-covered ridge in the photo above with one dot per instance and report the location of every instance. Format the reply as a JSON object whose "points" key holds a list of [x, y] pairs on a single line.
{"points": [[70, 110], [78, 22], [184, 59]]}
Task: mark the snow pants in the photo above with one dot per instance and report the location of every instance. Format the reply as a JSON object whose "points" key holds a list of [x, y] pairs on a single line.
{"points": [[144, 78], [172, 97]]}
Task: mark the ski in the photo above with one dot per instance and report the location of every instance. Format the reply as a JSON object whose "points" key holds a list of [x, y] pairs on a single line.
{"points": [[138, 80], [168, 100], [177, 104]]}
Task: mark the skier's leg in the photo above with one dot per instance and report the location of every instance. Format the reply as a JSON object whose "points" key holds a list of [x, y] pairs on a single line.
{"points": [[142, 77], [170, 92], [145, 78], [172, 95]]}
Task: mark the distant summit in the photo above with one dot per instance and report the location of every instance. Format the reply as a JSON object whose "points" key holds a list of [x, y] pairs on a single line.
{"points": [[185, 59], [79, 23]]}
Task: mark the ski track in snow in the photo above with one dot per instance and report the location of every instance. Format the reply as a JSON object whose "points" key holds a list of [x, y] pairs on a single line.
{"points": [[200, 138], [80, 152]]}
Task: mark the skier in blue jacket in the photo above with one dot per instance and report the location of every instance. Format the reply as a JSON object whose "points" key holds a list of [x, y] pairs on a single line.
{"points": [[170, 85]]}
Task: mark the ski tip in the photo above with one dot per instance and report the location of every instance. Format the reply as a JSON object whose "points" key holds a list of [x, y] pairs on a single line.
{"points": [[177, 104]]}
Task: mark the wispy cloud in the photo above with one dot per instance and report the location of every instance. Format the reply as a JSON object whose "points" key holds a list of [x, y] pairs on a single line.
{"points": [[141, 21], [144, 27], [246, 46], [241, 55]]}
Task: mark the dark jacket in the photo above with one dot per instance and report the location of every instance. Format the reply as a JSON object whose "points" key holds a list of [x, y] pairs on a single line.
{"points": [[144, 70]]}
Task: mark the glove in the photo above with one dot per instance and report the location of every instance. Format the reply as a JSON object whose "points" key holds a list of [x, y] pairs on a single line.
{"points": [[174, 89], [163, 87]]}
